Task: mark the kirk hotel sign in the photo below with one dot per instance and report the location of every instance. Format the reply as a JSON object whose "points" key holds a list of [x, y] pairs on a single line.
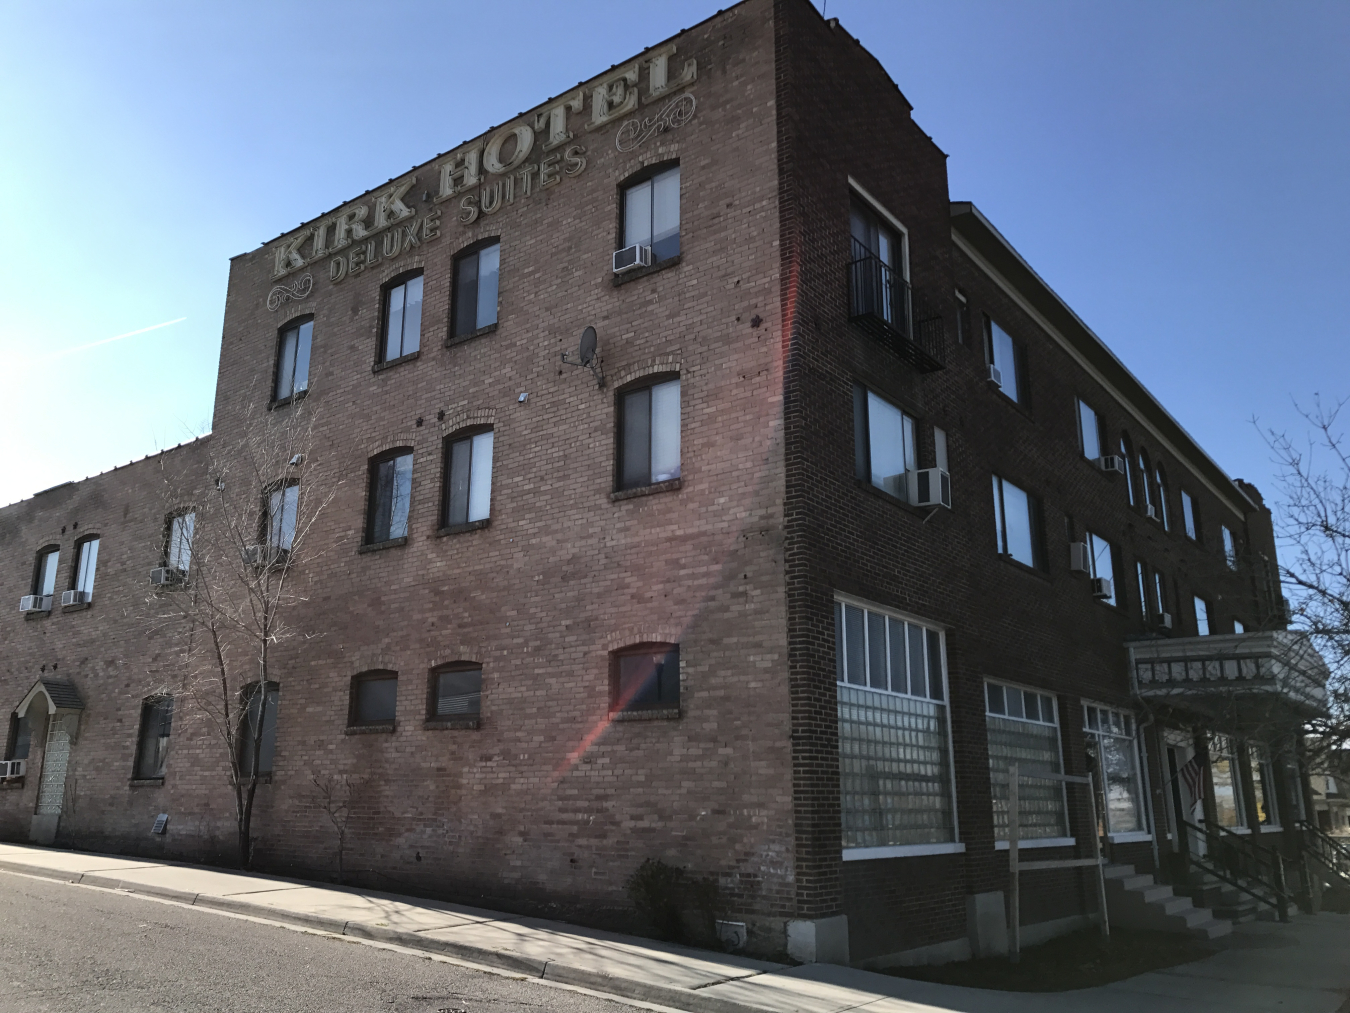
{"points": [[527, 156]]}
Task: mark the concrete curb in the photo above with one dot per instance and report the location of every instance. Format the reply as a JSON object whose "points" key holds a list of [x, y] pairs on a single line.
{"points": [[502, 960]]}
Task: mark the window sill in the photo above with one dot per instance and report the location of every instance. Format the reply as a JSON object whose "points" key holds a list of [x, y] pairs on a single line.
{"points": [[441, 723], [459, 529], [11, 783], [389, 544], [1019, 406], [1272, 830], [642, 272], [1022, 567], [381, 729], [262, 779], [868, 488], [380, 367], [1137, 837], [146, 782], [30, 616], [459, 339], [647, 490], [1038, 842], [75, 608], [654, 714], [903, 851], [283, 402]]}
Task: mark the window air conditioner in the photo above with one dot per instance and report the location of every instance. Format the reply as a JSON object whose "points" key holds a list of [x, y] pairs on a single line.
{"points": [[264, 555], [995, 377], [1151, 512], [1079, 559], [929, 487], [631, 257], [1165, 621], [75, 598], [162, 575], [1101, 587], [12, 768], [35, 603], [1112, 463]]}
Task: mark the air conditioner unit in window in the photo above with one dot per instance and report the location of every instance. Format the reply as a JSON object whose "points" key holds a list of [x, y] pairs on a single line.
{"points": [[929, 487], [1151, 512], [1080, 561], [1112, 463], [1165, 621], [12, 768], [264, 555], [995, 377], [75, 597], [631, 257], [165, 575], [35, 603], [1101, 587]]}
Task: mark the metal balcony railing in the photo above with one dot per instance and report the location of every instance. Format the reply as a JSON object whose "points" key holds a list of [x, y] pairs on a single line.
{"points": [[882, 304]]}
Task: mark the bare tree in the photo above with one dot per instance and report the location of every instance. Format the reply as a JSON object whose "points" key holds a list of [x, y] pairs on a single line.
{"points": [[336, 796], [237, 547]]}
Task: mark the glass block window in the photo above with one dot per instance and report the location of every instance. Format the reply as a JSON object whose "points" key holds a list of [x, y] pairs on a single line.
{"points": [[1111, 743], [894, 760], [1024, 729]]}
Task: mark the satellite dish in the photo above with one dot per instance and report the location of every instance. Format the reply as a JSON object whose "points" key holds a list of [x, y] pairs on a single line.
{"points": [[587, 350]]}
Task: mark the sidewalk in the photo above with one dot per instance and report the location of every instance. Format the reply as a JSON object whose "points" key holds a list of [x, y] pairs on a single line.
{"points": [[1296, 968]]}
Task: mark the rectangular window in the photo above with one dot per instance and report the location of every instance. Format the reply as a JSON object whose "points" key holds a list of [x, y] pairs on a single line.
{"points": [[649, 435], [20, 737], [1163, 514], [282, 509], [879, 270], [1229, 547], [44, 576], [1188, 516], [258, 733], [1143, 590], [1159, 593], [940, 448], [1099, 549], [962, 317], [1017, 523], [1129, 469], [402, 319], [1227, 790], [645, 677], [1004, 355], [1089, 432], [468, 480], [293, 360], [1263, 784], [476, 276], [1024, 729], [651, 214], [152, 747], [1201, 617], [178, 552], [456, 692], [1111, 744], [1238, 627], [894, 755], [390, 496], [85, 566], [374, 699], [885, 451]]}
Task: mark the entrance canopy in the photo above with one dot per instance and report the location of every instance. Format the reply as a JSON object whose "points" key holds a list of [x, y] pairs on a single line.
{"points": [[56, 694]]}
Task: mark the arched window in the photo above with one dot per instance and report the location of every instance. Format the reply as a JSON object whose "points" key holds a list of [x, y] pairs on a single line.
{"points": [[455, 692], [466, 497], [1162, 497], [292, 372], [82, 580], [390, 496], [1128, 460], [1145, 479]]}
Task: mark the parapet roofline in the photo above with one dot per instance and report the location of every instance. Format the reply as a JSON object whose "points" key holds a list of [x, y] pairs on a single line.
{"points": [[479, 136], [119, 467], [978, 237]]}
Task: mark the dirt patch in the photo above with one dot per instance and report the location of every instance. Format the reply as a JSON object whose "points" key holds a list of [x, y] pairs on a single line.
{"points": [[1078, 960]]}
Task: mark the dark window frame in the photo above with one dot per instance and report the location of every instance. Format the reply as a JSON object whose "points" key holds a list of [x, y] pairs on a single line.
{"points": [[1019, 353], [12, 735], [372, 474], [75, 550], [149, 708], [962, 317], [433, 691], [169, 518], [292, 324], [1036, 520], [370, 675], [643, 383], [454, 335], [380, 336], [242, 737], [663, 703], [636, 178], [41, 555], [265, 513], [447, 444]]}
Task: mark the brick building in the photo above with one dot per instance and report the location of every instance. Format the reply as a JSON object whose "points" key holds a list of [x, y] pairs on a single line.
{"points": [[734, 595]]}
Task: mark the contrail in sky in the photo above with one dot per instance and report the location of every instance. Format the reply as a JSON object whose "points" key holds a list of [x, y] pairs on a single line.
{"points": [[119, 337]]}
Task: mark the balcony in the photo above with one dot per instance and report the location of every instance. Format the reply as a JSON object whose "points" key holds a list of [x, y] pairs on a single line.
{"points": [[882, 305], [1249, 679]]}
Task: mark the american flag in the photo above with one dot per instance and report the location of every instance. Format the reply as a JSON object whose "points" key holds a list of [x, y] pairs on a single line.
{"points": [[1192, 774]]}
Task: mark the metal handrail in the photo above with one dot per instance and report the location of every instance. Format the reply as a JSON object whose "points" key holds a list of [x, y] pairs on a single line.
{"points": [[1243, 865], [1333, 854]]}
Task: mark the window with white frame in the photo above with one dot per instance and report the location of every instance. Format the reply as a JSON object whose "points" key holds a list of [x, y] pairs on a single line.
{"points": [[1024, 729], [1089, 432], [1188, 516], [1223, 772], [1006, 357], [1229, 547], [1100, 556], [649, 434], [178, 545], [885, 442], [1201, 616], [651, 214], [1115, 754], [894, 737], [86, 563], [1017, 523], [468, 479]]}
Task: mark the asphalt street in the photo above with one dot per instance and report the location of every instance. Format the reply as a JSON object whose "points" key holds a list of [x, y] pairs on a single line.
{"points": [[70, 948]]}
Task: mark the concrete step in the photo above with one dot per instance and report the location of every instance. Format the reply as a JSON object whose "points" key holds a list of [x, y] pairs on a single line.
{"points": [[1137, 900]]}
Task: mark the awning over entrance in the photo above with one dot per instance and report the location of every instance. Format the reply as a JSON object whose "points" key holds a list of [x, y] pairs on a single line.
{"points": [[1247, 678], [56, 694]]}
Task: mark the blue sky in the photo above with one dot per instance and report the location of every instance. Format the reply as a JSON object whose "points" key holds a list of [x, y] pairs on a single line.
{"points": [[1177, 171]]}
